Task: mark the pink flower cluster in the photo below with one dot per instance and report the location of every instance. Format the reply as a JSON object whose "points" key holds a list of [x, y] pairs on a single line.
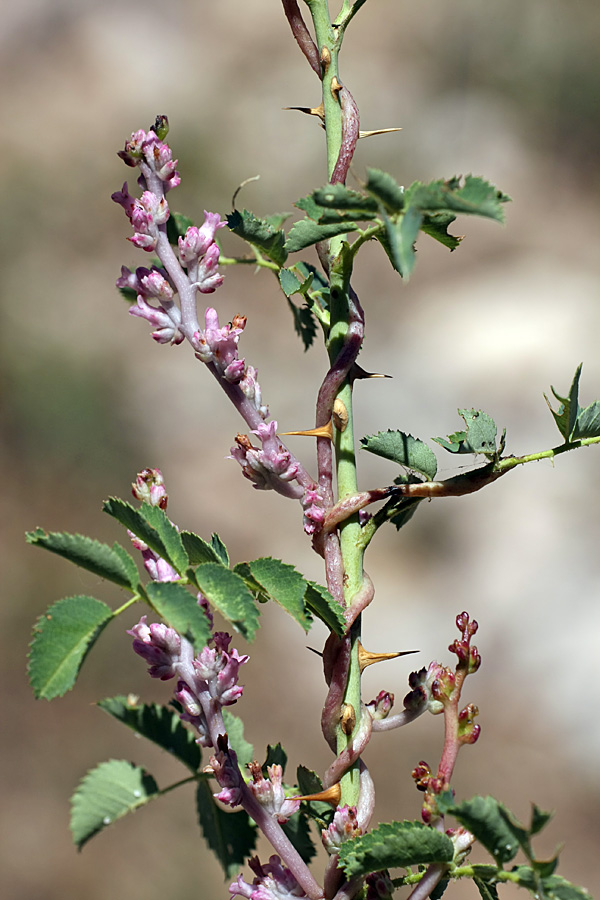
{"points": [[273, 881]]}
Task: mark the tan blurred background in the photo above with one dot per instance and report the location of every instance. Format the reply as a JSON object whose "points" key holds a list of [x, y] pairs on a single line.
{"points": [[508, 90]]}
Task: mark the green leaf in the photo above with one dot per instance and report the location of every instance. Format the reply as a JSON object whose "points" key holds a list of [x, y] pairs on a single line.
{"points": [[231, 836], [567, 413], [338, 196], [276, 756], [151, 525], [260, 233], [436, 226], [310, 783], [392, 845], [440, 889], [198, 550], [486, 890], [220, 549], [403, 449], [180, 609], [474, 196], [177, 225], [385, 189], [588, 422], [112, 563], [324, 607], [484, 818], [558, 888], [159, 724], [480, 436], [306, 232], [107, 793], [304, 324], [401, 235], [227, 592], [289, 283], [235, 732], [62, 638], [297, 830], [283, 584], [539, 819]]}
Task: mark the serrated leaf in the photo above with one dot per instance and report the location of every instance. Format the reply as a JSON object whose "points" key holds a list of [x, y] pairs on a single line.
{"points": [[566, 415], [114, 564], [324, 607], [235, 733], [283, 584], [474, 196], [393, 845], [385, 189], [108, 793], [486, 890], [260, 233], [483, 816], [220, 549], [158, 724], [180, 609], [289, 283], [231, 836], [558, 888], [297, 830], [151, 525], [306, 232], [276, 756], [480, 436], [308, 781], [403, 449], [588, 422], [62, 638], [338, 196], [401, 233], [177, 225], [227, 592], [539, 819], [304, 324], [436, 226], [198, 550]]}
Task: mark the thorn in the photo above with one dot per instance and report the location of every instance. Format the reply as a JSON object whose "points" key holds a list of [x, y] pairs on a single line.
{"points": [[365, 134], [325, 431], [310, 110], [331, 795], [325, 58], [366, 658], [318, 652], [357, 373], [335, 87]]}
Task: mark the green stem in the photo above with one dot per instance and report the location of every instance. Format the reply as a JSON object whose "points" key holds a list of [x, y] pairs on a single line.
{"points": [[503, 465], [329, 40]]}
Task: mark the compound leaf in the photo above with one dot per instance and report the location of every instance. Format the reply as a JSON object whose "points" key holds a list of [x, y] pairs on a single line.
{"points": [[480, 436], [283, 584], [306, 232], [235, 732], [488, 820], [151, 525]]}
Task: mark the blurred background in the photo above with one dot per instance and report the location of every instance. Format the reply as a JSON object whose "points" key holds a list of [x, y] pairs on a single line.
{"points": [[506, 90]]}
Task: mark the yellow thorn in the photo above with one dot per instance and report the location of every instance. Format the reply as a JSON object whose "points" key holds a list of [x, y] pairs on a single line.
{"points": [[331, 795], [325, 58], [325, 431], [335, 87], [365, 134], [310, 110], [357, 372], [366, 658]]}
